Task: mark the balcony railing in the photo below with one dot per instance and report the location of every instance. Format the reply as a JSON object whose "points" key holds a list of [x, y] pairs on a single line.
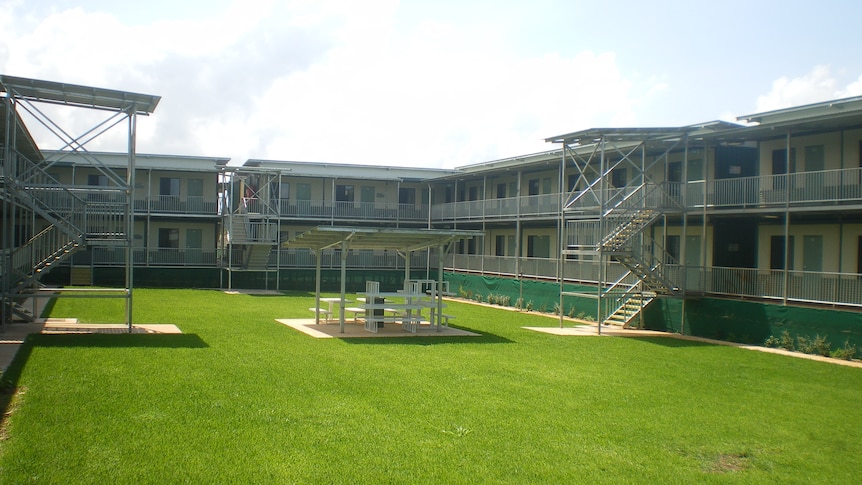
{"points": [[820, 188], [802, 287], [363, 211], [172, 204]]}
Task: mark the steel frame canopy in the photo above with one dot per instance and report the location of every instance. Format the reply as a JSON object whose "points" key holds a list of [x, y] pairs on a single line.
{"points": [[25, 93], [404, 241]]}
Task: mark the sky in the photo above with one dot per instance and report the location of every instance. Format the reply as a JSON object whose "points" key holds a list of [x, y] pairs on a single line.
{"points": [[434, 84]]}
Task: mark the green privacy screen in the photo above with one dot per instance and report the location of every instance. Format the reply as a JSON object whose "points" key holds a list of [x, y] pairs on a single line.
{"points": [[724, 319]]}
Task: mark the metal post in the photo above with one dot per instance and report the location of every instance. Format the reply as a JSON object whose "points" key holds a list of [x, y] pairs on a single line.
{"points": [[317, 254], [130, 221], [561, 240], [343, 284], [602, 197], [439, 291]]}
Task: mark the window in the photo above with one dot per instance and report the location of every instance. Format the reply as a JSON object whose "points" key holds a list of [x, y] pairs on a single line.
{"points": [[672, 249], [407, 195], [776, 252], [277, 190], [366, 196], [859, 257], [573, 182], [97, 180], [501, 191], [618, 177], [169, 238], [303, 191], [471, 245], [196, 187], [538, 246], [674, 172], [533, 187], [780, 167], [473, 193], [500, 246], [344, 193], [169, 186], [546, 186], [815, 158], [695, 169]]}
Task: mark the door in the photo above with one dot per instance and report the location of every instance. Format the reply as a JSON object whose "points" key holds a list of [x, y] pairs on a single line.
{"points": [[812, 253], [194, 242], [693, 273]]}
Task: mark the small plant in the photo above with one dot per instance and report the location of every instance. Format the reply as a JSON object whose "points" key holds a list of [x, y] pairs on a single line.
{"points": [[572, 312], [478, 297], [848, 352], [529, 306], [556, 309], [543, 308], [505, 299], [492, 298], [786, 341], [582, 315], [519, 304], [820, 346], [803, 344]]}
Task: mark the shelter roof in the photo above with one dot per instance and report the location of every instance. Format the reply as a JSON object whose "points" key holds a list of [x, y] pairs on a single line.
{"points": [[593, 135], [76, 95], [400, 239]]}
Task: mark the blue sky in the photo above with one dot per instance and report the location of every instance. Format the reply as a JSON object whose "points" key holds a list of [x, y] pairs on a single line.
{"points": [[432, 84]]}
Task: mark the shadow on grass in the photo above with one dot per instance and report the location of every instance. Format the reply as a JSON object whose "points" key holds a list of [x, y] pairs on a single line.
{"points": [[9, 379], [483, 338], [120, 340], [670, 342]]}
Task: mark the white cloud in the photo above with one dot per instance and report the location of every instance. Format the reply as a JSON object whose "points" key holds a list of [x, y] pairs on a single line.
{"points": [[336, 81], [815, 86]]}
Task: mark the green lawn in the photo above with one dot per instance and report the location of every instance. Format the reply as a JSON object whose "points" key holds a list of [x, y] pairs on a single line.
{"points": [[241, 398]]}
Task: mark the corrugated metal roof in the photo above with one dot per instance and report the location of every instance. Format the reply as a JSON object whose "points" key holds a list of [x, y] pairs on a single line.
{"points": [[76, 95], [349, 171]]}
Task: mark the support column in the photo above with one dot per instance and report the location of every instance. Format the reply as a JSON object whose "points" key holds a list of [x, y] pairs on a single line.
{"points": [[316, 253], [343, 284], [130, 215]]}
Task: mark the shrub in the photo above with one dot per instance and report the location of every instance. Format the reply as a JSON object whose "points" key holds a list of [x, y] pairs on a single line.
{"points": [[847, 352], [519, 303], [529, 306]]}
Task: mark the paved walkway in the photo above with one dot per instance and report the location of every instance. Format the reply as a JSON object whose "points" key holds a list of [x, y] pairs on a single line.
{"points": [[357, 330], [614, 331]]}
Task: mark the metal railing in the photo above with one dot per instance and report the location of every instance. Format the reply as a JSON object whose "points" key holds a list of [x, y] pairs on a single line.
{"points": [[177, 205], [802, 287]]}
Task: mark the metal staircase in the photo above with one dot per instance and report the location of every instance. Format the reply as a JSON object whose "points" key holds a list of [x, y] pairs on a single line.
{"points": [[28, 187], [619, 234]]}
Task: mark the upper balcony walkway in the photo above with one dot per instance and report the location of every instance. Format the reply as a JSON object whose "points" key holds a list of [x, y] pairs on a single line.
{"points": [[768, 192]]}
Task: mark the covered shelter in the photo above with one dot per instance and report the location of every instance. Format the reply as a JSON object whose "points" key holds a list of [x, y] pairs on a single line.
{"points": [[404, 241]]}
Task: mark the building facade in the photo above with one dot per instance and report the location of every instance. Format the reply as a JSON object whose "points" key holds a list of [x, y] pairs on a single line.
{"points": [[633, 226]]}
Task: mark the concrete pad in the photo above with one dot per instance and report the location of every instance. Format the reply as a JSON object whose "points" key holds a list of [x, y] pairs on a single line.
{"points": [[13, 335], [593, 330], [357, 330]]}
